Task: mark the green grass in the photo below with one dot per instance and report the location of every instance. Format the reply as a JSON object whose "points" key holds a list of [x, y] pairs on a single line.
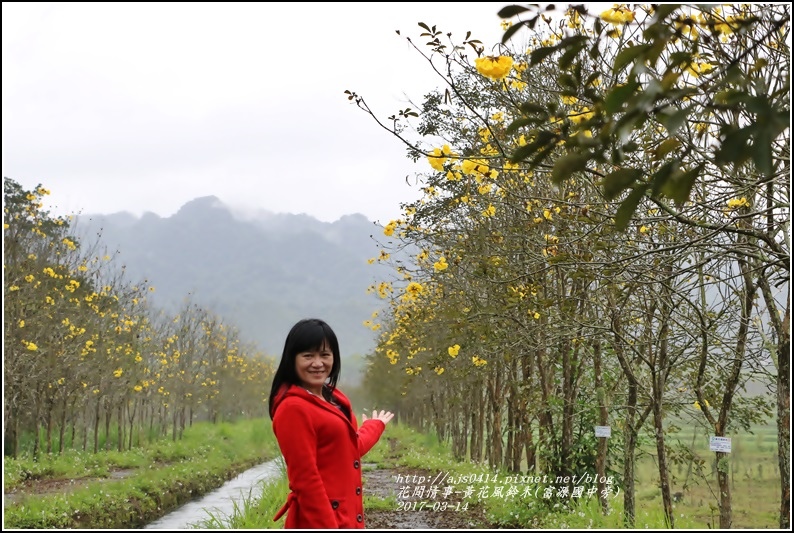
{"points": [[161, 476]]}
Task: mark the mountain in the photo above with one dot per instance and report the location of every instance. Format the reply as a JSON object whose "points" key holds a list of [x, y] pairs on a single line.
{"points": [[261, 272]]}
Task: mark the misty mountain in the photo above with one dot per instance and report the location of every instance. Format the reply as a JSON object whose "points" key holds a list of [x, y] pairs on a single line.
{"points": [[261, 272]]}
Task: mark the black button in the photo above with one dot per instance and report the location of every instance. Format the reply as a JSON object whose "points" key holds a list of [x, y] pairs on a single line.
{"points": [[355, 464], [358, 491], [334, 504], [359, 518]]}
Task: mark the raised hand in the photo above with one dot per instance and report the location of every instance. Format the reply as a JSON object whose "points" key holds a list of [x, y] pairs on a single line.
{"points": [[383, 416]]}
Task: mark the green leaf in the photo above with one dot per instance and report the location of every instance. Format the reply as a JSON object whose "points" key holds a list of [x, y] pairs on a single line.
{"points": [[666, 146], [734, 146], [539, 54], [532, 107], [762, 151], [659, 178], [523, 121], [618, 95], [566, 165], [629, 206], [672, 119], [662, 11], [511, 11], [566, 80], [677, 58], [616, 182], [680, 184], [567, 58], [627, 55], [524, 152], [509, 32]]}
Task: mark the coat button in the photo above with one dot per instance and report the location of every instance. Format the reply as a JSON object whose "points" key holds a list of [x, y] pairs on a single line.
{"points": [[358, 491], [355, 464], [334, 504], [359, 518]]}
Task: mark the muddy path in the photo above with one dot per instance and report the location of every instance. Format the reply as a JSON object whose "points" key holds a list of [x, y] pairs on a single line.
{"points": [[420, 503]]}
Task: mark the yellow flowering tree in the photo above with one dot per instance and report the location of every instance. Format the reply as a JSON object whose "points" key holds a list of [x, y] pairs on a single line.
{"points": [[535, 278]]}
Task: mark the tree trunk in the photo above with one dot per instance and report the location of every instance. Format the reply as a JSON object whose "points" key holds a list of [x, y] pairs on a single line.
{"points": [[630, 437], [96, 428], [664, 475], [132, 422], [601, 452], [120, 424], [62, 429], [496, 423], [108, 416], [49, 426], [475, 451], [783, 428]]}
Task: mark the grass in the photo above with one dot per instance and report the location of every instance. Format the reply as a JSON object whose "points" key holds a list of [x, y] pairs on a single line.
{"points": [[204, 456], [164, 474]]}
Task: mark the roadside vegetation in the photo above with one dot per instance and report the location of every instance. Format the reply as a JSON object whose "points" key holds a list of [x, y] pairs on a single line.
{"points": [[405, 452], [129, 489]]}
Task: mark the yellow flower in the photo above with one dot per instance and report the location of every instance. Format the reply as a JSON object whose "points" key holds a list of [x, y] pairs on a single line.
{"points": [[30, 346], [414, 289], [478, 361], [569, 100], [436, 160], [118, 372], [21, 324], [495, 68], [439, 370], [577, 117], [388, 230], [696, 68], [617, 15], [489, 212], [441, 264], [735, 203], [453, 350], [643, 229], [547, 214]]}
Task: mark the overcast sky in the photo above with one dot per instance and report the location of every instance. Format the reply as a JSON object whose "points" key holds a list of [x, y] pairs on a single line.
{"points": [[144, 107]]}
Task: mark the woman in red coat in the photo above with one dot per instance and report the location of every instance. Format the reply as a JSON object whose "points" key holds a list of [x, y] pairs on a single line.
{"points": [[318, 434]]}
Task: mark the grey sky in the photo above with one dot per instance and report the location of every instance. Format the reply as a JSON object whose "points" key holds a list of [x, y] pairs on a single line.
{"points": [[143, 107]]}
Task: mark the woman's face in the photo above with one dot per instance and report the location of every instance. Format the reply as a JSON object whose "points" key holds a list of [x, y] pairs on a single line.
{"points": [[313, 367]]}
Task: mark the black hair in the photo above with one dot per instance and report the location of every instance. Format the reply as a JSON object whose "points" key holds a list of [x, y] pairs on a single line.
{"points": [[307, 334]]}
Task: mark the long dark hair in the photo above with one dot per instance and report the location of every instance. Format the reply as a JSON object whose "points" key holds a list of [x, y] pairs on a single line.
{"points": [[307, 334]]}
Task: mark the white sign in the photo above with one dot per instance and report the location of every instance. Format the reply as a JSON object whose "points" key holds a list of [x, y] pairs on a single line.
{"points": [[720, 444], [603, 431]]}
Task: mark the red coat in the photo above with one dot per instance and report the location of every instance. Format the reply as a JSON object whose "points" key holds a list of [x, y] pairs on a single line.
{"points": [[322, 450]]}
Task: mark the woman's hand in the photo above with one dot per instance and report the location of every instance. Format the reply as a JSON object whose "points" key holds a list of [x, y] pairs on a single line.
{"points": [[383, 416]]}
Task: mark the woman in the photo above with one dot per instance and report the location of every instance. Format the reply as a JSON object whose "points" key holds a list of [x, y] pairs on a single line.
{"points": [[317, 432]]}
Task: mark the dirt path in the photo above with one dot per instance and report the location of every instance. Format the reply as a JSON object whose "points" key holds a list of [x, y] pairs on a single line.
{"points": [[442, 509]]}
